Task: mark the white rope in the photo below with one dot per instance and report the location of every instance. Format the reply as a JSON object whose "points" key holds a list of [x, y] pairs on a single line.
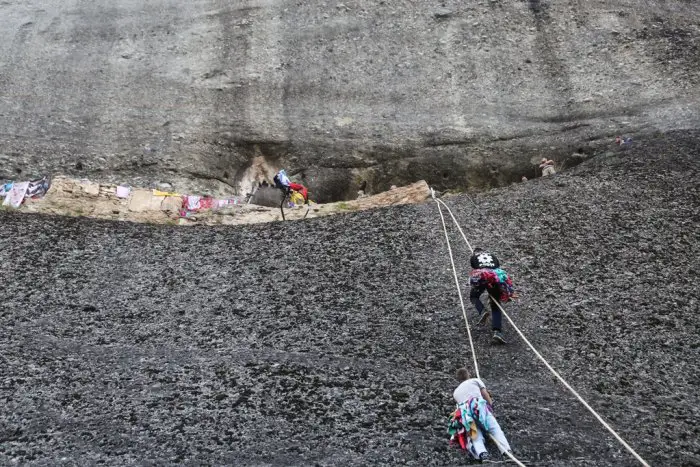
{"points": [[464, 312], [459, 291], [456, 223], [549, 367], [505, 451], [573, 391]]}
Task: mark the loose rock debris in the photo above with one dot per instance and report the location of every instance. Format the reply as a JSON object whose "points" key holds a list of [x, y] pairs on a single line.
{"points": [[333, 341]]}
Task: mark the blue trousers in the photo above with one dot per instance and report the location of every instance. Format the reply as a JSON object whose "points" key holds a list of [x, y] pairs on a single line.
{"points": [[495, 295]]}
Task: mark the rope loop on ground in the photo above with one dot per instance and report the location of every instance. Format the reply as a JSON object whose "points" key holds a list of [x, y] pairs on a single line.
{"points": [[522, 336]]}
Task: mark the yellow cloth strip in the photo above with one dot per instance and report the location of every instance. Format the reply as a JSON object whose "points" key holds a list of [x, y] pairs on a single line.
{"points": [[164, 193]]}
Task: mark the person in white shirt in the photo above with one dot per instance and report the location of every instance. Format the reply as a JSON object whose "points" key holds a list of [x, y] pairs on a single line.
{"points": [[547, 166], [473, 398]]}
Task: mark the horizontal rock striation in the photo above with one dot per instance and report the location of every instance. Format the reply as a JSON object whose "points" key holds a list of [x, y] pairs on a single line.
{"points": [[344, 95], [333, 341]]}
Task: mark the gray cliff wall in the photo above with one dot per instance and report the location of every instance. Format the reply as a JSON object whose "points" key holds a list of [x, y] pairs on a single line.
{"points": [[382, 92]]}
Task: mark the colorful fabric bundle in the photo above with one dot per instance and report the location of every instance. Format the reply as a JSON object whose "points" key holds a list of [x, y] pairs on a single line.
{"points": [[5, 189], [206, 202], [16, 194], [457, 429], [191, 202], [281, 180], [34, 189], [492, 278], [37, 188], [464, 421]]}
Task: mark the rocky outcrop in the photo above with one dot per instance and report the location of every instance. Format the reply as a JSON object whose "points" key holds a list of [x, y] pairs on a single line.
{"points": [[85, 198], [345, 95]]}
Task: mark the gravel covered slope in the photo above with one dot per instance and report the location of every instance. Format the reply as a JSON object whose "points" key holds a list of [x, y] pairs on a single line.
{"points": [[333, 341]]}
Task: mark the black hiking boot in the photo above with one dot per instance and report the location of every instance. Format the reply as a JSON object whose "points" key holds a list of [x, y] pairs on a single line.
{"points": [[498, 337]]}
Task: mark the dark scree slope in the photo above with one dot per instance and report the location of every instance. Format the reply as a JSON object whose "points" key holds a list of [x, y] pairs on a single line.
{"points": [[333, 341]]}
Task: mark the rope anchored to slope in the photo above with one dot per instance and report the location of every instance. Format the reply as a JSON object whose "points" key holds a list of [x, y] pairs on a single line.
{"points": [[464, 313], [522, 336], [459, 292]]}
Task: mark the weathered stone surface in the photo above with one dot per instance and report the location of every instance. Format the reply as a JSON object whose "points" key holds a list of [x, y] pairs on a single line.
{"points": [[376, 93], [413, 193], [267, 196], [90, 188], [333, 341], [143, 200], [171, 204]]}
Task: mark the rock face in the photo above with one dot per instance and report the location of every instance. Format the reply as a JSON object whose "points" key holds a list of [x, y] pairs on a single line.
{"points": [[333, 341], [344, 95]]}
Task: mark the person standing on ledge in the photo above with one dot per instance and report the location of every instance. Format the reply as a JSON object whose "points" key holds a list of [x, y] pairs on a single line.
{"points": [[547, 166]]}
